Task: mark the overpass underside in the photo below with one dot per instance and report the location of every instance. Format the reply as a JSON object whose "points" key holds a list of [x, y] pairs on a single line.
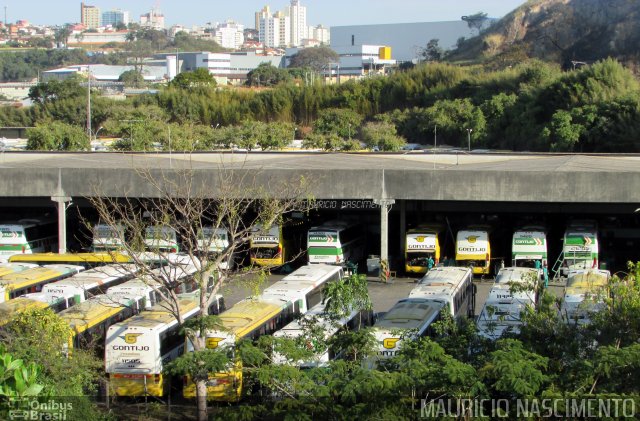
{"points": [[401, 185]]}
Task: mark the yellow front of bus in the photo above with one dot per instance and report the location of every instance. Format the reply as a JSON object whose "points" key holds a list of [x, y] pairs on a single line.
{"points": [[266, 247], [223, 386], [420, 245], [473, 250], [133, 363]]}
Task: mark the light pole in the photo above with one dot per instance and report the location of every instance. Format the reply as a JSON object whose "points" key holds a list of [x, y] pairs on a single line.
{"points": [[469, 138]]}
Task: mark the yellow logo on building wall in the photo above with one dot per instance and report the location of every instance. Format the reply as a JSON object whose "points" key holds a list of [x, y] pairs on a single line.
{"points": [[131, 338], [390, 343], [212, 343]]}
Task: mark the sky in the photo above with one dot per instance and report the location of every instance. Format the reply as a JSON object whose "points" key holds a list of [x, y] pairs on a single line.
{"points": [[326, 12]]}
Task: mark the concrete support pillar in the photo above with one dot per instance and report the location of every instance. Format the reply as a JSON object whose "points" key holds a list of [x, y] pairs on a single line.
{"points": [[385, 207], [384, 233], [403, 225], [61, 205]]}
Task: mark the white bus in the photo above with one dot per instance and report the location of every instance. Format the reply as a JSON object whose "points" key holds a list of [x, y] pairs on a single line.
{"points": [[583, 294], [449, 288], [28, 236], [107, 237], [316, 317], [580, 248], [161, 239], [529, 248], [514, 289], [336, 243], [89, 283], [149, 288], [473, 250], [137, 349], [304, 286], [251, 318], [215, 241]]}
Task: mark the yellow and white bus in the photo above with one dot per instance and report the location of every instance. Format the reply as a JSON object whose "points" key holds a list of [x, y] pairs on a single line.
{"points": [[449, 288], [28, 236], [32, 280], [421, 244], [10, 309], [336, 243], [82, 259], [514, 290], [280, 244], [317, 317], [88, 283], [90, 319], [584, 294], [9, 268], [249, 319], [473, 250], [137, 349]]}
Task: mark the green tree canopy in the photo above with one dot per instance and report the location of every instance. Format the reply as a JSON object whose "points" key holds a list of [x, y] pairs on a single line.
{"points": [[57, 136], [315, 58], [197, 79], [267, 74], [382, 135]]}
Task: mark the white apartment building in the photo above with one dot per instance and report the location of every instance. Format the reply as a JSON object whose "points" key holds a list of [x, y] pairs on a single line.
{"points": [[320, 33], [229, 34], [299, 29], [274, 30]]}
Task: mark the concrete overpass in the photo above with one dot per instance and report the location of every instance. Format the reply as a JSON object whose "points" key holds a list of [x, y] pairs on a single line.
{"points": [[598, 181]]}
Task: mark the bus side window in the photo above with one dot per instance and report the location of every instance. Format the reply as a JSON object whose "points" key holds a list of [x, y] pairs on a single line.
{"points": [[314, 298]]}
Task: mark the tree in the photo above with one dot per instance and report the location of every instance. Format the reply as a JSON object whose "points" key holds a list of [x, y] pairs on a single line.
{"points": [[55, 90], [339, 121], [132, 79], [476, 21], [189, 200], [62, 34], [382, 136], [57, 136], [37, 337], [197, 79], [315, 58], [267, 74], [432, 52]]}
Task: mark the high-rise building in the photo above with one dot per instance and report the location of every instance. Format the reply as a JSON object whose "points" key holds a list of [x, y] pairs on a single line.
{"points": [[274, 30], [89, 16], [229, 34], [320, 33], [264, 13], [298, 21], [115, 17], [154, 19]]}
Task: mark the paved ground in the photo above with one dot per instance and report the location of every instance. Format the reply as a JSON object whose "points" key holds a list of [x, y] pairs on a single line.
{"points": [[383, 295]]}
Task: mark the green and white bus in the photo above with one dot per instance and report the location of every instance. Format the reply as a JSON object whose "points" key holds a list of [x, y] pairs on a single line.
{"points": [[580, 249], [529, 248], [28, 236], [336, 242], [161, 239]]}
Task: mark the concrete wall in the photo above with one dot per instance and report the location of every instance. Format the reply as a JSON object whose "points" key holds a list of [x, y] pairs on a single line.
{"points": [[556, 179]]}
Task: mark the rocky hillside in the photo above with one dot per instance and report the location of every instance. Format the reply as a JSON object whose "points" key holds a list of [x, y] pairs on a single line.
{"points": [[563, 31]]}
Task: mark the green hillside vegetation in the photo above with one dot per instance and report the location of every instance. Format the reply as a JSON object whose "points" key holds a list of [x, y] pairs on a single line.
{"points": [[560, 31], [533, 106]]}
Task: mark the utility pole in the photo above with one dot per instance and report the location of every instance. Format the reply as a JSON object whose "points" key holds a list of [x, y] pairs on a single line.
{"points": [[469, 138]]}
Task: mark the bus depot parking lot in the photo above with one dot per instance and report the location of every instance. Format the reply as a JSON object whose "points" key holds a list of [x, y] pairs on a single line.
{"points": [[383, 295]]}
